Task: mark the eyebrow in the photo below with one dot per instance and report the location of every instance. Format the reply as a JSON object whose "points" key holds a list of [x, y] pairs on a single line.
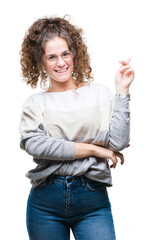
{"points": [[53, 54]]}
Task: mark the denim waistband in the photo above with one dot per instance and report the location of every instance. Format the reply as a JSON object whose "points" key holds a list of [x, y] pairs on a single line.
{"points": [[53, 177]]}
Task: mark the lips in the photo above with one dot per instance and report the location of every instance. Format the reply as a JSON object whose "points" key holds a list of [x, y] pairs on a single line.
{"points": [[62, 70]]}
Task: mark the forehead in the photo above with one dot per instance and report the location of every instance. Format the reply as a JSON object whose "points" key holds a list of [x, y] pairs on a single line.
{"points": [[55, 46]]}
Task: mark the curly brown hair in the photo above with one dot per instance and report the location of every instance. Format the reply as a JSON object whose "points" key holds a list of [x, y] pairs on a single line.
{"points": [[32, 50]]}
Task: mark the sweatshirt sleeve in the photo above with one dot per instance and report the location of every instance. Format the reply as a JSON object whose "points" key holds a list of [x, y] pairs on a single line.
{"points": [[117, 137], [35, 140], [119, 131]]}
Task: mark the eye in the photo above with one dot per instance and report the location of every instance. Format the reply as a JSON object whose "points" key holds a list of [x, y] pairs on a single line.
{"points": [[52, 57], [66, 54]]}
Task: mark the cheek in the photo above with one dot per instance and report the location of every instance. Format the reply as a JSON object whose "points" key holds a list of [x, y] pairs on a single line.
{"points": [[71, 66], [49, 68]]}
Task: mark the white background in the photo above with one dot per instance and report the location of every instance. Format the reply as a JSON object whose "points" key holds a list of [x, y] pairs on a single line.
{"points": [[114, 29]]}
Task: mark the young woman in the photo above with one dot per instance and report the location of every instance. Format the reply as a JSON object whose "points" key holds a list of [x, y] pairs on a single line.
{"points": [[72, 130]]}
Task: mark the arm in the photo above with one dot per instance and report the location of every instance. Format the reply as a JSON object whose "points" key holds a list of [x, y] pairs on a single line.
{"points": [[36, 142], [120, 128], [84, 150], [118, 135], [39, 145]]}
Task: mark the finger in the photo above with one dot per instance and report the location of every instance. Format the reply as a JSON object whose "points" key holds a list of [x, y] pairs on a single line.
{"points": [[114, 160], [113, 165], [120, 155], [125, 62], [124, 68], [122, 159], [129, 72]]}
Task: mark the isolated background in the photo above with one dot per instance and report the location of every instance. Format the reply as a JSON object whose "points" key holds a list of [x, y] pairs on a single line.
{"points": [[114, 30]]}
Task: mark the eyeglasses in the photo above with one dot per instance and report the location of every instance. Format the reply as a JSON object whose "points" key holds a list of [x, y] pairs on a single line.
{"points": [[66, 56]]}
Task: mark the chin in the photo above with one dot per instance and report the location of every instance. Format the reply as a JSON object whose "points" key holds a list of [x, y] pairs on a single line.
{"points": [[61, 79]]}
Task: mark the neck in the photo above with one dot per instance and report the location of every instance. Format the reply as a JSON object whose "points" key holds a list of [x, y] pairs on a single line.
{"points": [[62, 86]]}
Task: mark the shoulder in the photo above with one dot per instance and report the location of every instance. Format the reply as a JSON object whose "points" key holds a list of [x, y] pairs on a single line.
{"points": [[33, 100], [101, 90]]}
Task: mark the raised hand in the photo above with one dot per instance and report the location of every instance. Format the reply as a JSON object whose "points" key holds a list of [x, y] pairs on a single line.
{"points": [[124, 77]]}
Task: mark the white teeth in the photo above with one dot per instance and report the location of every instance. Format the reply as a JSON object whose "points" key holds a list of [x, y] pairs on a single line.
{"points": [[60, 71]]}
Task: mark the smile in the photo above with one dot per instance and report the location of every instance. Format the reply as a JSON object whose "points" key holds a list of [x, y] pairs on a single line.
{"points": [[61, 70]]}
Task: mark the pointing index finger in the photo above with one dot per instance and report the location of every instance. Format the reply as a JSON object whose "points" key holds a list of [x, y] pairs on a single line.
{"points": [[125, 62]]}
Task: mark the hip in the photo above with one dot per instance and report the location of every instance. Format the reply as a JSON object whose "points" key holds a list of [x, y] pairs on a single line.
{"points": [[68, 196]]}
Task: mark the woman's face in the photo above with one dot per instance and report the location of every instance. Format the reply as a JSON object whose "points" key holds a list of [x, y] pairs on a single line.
{"points": [[58, 60]]}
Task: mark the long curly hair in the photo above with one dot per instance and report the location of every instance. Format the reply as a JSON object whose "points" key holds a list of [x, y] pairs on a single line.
{"points": [[32, 50]]}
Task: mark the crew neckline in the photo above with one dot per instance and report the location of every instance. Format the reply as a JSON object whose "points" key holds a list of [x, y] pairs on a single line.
{"points": [[74, 90]]}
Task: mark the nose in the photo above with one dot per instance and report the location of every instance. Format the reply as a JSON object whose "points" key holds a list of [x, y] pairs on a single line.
{"points": [[60, 61]]}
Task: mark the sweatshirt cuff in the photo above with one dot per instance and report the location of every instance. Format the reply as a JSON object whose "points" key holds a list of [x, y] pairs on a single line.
{"points": [[123, 95], [122, 101]]}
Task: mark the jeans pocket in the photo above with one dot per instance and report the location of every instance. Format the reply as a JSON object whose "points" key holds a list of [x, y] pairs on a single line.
{"points": [[43, 184], [95, 186]]}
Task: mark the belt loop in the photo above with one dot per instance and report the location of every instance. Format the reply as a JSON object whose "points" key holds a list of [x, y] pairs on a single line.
{"points": [[51, 178], [83, 180]]}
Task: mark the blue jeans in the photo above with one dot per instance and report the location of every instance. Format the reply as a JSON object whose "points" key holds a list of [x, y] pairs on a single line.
{"points": [[62, 203]]}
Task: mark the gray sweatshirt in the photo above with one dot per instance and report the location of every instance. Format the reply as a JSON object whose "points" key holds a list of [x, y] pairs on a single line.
{"points": [[52, 122]]}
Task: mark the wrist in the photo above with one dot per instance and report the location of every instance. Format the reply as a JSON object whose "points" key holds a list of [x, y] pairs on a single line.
{"points": [[93, 149], [104, 152], [122, 90]]}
